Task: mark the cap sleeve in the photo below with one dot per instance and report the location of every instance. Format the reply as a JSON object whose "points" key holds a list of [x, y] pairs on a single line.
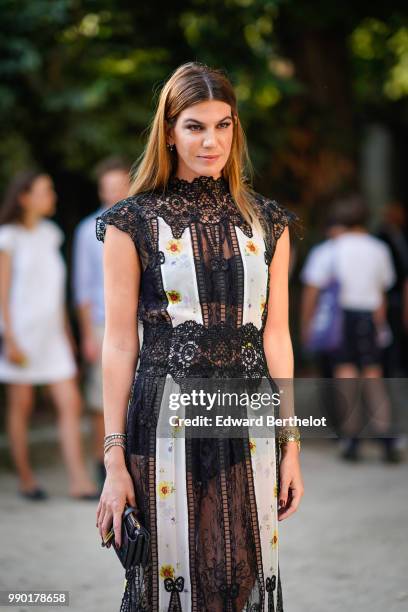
{"points": [[280, 217], [274, 219], [128, 216], [124, 215], [7, 238]]}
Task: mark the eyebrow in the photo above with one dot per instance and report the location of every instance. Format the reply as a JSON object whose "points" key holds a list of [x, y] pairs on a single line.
{"points": [[200, 122]]}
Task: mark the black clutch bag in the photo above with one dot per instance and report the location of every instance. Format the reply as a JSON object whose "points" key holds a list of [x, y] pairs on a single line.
{"points": [[135, 540]]}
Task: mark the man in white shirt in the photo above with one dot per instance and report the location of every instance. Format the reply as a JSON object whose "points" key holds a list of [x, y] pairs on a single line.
{"points": [[363, 266]]}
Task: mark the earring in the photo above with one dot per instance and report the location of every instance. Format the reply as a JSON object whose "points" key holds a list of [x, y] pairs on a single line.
{"points": [[171, 147]]}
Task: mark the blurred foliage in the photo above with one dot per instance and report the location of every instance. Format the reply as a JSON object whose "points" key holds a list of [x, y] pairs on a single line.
{"points": [[380, 50], [79, 79]]}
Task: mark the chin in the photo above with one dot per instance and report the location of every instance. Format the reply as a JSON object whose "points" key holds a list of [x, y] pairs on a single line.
{"points": [[209, 169]]}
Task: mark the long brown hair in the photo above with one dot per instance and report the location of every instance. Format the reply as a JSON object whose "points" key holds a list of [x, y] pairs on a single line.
{"points": [[11, 210], [190, 84]]}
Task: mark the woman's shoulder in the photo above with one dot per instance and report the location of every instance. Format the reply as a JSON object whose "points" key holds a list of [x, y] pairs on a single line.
{"points": [[8, 228], [8, 234], [128, 206], [50, 229], [126, 215]]}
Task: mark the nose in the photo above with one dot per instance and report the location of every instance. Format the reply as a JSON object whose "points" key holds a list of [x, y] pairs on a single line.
{"points": [[209, 139]]}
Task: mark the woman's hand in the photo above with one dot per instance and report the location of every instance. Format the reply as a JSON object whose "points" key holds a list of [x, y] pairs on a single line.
{"points": [[13, 352], [117, 490], [291, 482]]}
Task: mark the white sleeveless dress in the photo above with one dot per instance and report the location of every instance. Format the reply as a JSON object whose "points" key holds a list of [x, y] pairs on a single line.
{"points": [[37, 304]]}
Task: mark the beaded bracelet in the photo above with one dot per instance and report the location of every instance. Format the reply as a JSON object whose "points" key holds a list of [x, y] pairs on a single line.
{"points": [[114, 439], [115, 435], [113, 443]]}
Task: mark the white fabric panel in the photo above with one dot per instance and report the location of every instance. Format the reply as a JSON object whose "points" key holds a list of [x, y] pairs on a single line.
{"points": [[255, 276], [184, 303], [171, 507], [263, 461]]}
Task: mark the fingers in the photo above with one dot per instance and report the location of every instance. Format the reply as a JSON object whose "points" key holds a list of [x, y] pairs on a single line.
{"points": [[131, 498], [294, 500], [98, 512], [106, 524], [117, 526], [104, 520], [284, 491], [100, 521]]}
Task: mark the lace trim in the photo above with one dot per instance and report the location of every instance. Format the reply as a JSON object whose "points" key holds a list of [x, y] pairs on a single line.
{"points": [[182, 204], [190, 349], [215, 187], [274, 220]]}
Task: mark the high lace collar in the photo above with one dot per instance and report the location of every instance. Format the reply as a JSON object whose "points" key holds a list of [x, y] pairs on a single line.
{"points": [[200, 185]]}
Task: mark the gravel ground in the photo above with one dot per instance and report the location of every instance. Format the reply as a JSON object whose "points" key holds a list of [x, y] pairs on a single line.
{"points": [[345, 548]]}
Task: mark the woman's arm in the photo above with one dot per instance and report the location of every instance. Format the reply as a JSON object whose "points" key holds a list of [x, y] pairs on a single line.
{"points": [[279, 355], [120, 352], [277, 341], [12, 351], [5, 283], [120, 348]]}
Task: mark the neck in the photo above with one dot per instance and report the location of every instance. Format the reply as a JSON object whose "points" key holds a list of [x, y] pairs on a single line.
{"points": [[200, 187], [358, 229], [192, 177], [188, 175], [30, 221]]}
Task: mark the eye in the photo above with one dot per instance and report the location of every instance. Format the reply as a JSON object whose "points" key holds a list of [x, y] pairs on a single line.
{"points": [[194, 128], [225, 124]]}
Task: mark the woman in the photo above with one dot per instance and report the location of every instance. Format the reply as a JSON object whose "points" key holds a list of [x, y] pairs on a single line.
{"points": [[183, 256], [34, 328]]}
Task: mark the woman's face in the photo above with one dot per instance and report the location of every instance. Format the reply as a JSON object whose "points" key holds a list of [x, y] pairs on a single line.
{"points": [[202, 135], [41, 198]]}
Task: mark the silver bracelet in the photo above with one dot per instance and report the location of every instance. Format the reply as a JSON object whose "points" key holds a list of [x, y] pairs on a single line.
{"points": [[113, 443], [115, 435]]}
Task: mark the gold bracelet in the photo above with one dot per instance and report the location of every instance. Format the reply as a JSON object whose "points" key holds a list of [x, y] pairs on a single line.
{"points": [[289, 434]]}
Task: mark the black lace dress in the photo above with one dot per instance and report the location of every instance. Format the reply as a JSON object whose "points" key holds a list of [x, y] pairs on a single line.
{"points": [[209, 504]]}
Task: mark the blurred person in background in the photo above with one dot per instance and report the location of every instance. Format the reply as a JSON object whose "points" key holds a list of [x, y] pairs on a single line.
{"points": [[393, 232], [36, 337], [113, 185], [363, 266], [310, 278]]}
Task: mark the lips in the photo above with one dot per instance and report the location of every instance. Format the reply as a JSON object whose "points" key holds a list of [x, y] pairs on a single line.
{"points": [[209, 156]]}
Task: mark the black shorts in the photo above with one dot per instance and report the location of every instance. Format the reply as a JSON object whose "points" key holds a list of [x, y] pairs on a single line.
{"points": [[359, 345]]}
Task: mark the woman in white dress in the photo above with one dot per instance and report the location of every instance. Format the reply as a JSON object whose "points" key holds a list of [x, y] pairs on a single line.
{"points": [[35, 343]]}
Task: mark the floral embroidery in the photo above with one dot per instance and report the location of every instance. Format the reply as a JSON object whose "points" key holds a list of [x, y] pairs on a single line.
{"points": [[252, 446], [274, 540], [167, 571], [165, 489], [178, 427], [173, 296], [251, 248], [174, 246]]}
